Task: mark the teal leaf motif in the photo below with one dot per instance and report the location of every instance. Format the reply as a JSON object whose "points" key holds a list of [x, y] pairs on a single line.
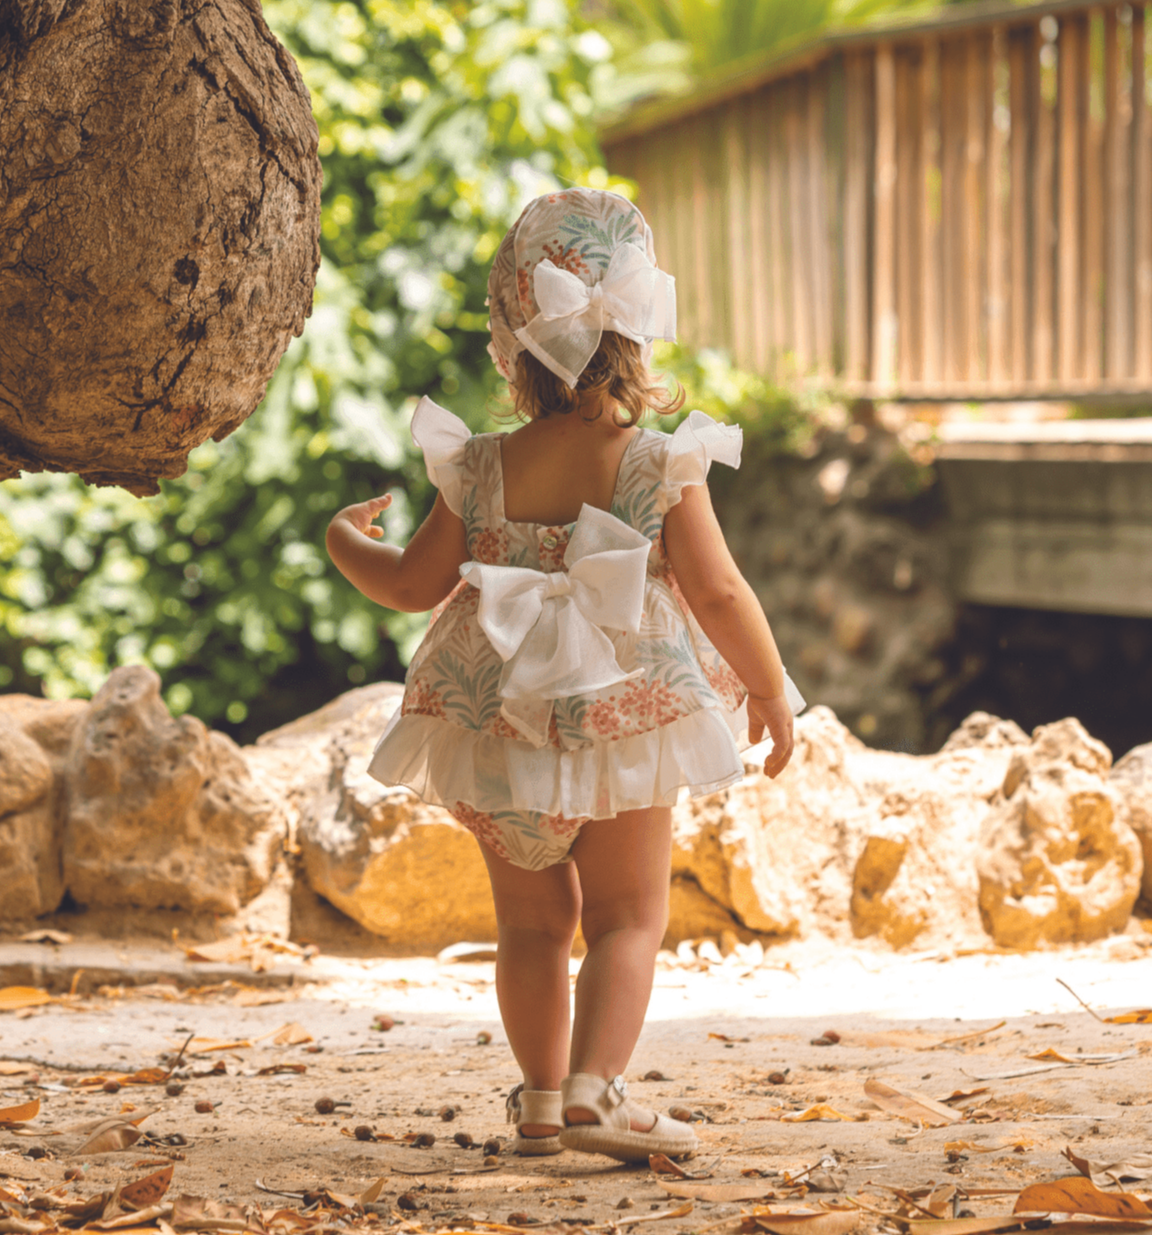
{"points": [[469, 695]]}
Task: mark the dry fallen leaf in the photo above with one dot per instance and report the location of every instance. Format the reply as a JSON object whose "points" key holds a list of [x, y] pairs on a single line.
{"points": [[13, 998], [199, 1046], [716, 1192], [960, 1226], [196, 1212], [1077, 1195], [1134, 1166], [1142, 1016], [14, 1116], [146, 1076], [10, 1068], [958, 1095], [111, 1138], [146, 1191], [821, 1110], [967, 1147], [910, 1105], [815, 1222], [291, 1034], [1053, 1056], [45, 936], [372, 1192], [276, 1069]]}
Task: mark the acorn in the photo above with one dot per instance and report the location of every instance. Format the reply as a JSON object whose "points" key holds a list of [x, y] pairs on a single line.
{"points": [[682, 1113], [447, 1114], [492, 1147], [111, 1087], [324, 1106], [174, 1089], [364, 1133], [464, 1140], [424, 1140], [204, 1107]]}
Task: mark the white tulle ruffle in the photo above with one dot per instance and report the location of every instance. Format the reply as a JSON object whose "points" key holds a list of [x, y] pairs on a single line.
{"points": [[442, 437], [698, 442], [446, 764]]}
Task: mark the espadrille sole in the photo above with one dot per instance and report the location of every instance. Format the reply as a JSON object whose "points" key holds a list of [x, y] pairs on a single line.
{"points": [[666, 1136]]}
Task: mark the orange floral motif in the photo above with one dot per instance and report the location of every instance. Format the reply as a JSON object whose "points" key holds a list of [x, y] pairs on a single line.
{"points": [[524, 289], [724, 682], [482, 826], [490, 545], [641, 706], [498, 727], [565, 259], [558, 825], [420, 699], [552, 556]]}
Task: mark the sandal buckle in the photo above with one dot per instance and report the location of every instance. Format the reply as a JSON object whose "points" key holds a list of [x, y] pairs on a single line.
{"points": [[620, 1085]]}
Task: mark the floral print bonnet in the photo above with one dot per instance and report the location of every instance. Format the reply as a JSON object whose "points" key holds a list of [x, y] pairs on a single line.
{"points": [[576, 263]]}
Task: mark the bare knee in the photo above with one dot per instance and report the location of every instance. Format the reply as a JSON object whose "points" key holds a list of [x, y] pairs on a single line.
{"points": [[642, 912], [555, 917]]}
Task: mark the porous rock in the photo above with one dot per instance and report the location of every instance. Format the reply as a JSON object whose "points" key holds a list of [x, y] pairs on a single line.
{"points": [[1132, 780], [406, 871], [162, 813], [34, 735], [1057, 863], [850, 839]]}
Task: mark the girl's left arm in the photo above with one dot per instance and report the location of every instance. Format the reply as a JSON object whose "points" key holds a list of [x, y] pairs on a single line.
{"points": [[412, 579]]}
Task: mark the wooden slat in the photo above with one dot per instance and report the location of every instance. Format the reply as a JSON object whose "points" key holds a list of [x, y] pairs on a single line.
{"points": [[996, 226], [795, 132], [978, 96], [819, 266], [931, 283], [1117, 222], [909, 200], [702, 229], [953, 159], [1142, 197], [780, 235], [1044, 237], [884, 320], [857, 190], [1092, 223], [834, 123], [763, 288], [1072, 104], [1024, 101]]}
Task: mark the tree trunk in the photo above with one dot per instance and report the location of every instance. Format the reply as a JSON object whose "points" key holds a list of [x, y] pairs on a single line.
{"points": [[159, 229]]}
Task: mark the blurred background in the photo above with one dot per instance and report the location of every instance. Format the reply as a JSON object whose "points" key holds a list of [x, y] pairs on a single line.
{"points": [[914, 259]]}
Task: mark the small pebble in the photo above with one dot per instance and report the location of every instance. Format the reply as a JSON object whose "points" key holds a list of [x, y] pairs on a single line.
{"points": [[491, 1160], [656, 1076], [831, 1035], [447, 1114], [521, 1219], [492, 1146], [204, 1107], [682, 1113], [383, 1022], [314, 1049], [111, 1086], [174, 1089], [625, 1202], [407, 1201], [73, 1172], [777, 1078], [364, 1133], [483, 1038], [37, 1151]]}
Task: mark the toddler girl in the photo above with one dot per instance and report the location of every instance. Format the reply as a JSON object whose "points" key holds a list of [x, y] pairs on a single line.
{"points": [[594, 650]]}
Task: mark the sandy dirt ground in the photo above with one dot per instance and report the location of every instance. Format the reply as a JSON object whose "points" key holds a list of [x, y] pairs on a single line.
{"points": [[731, 1040]]}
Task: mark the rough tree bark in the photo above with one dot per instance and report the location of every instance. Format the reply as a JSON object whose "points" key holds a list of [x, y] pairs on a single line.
{"points": [[159, 229]]}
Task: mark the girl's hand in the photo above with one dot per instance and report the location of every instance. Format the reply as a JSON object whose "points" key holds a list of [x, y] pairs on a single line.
{"points": [[362, 514], [775, 715]]}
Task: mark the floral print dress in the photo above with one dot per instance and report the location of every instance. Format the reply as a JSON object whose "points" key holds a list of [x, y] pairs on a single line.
{"points": [[524, 778]]}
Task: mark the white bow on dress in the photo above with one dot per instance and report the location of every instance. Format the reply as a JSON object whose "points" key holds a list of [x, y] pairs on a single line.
{"points": [[549, 628]]}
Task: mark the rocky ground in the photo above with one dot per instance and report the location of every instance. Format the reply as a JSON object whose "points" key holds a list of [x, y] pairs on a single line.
{"points": [[742, 1042]]}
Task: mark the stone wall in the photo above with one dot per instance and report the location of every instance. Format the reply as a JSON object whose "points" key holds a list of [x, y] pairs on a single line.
{"points": [[850, 552]]}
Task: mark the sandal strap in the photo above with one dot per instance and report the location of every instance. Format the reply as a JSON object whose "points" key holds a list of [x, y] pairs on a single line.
{"points": [[533, 1106], [607, 1100]]}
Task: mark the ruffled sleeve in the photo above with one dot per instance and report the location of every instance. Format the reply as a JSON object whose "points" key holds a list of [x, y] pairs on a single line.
{"points": [[442, 437], [698, 442]]}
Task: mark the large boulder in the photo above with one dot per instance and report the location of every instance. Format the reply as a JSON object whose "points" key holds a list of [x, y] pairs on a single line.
{"points": [[1132, 780], [404, 870], [848, 840], [162, 813], [1057, 862], [34, 737]]}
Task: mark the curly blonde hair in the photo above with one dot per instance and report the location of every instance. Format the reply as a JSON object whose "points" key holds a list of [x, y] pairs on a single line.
{"points": [[616, 370]]}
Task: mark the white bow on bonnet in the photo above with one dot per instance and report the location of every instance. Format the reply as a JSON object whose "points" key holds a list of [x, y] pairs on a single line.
{"points": [[576, 263]]}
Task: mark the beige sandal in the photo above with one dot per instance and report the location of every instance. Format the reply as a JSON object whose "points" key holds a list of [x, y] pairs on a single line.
{"points": [[534, 1106], [613, 1135]]}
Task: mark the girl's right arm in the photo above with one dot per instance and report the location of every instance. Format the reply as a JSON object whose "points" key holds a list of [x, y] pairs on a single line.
{"points": [[412, 579], [730, 615]]}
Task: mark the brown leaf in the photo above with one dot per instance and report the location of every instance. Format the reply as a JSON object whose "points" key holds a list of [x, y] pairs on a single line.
{"points": [[291, 1034], [819, 1222], [940, 1199], [199, 1045], [958, 1095], [1134, 1166], [661, 1164], [1142, 1016], [820, 1111], [14, 997], [12, 1115], [716, 1192], [45, 936], [723, 1037], [204, 1214], [967, 1146], [910, 1105], [146, 1191], [275, 1069], [960, 1226], [112, 1138], [373, 1191], [1077, 1195], [9, 1067]]}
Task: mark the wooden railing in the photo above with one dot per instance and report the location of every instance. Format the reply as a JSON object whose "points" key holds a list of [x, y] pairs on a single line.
{"points": [[957, 209]]}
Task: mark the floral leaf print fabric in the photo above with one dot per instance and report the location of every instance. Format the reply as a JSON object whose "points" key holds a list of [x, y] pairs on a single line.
{"points": [[677, 721]]}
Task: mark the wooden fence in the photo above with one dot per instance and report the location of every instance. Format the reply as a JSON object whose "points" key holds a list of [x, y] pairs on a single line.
{"points": [[957, 209]]}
